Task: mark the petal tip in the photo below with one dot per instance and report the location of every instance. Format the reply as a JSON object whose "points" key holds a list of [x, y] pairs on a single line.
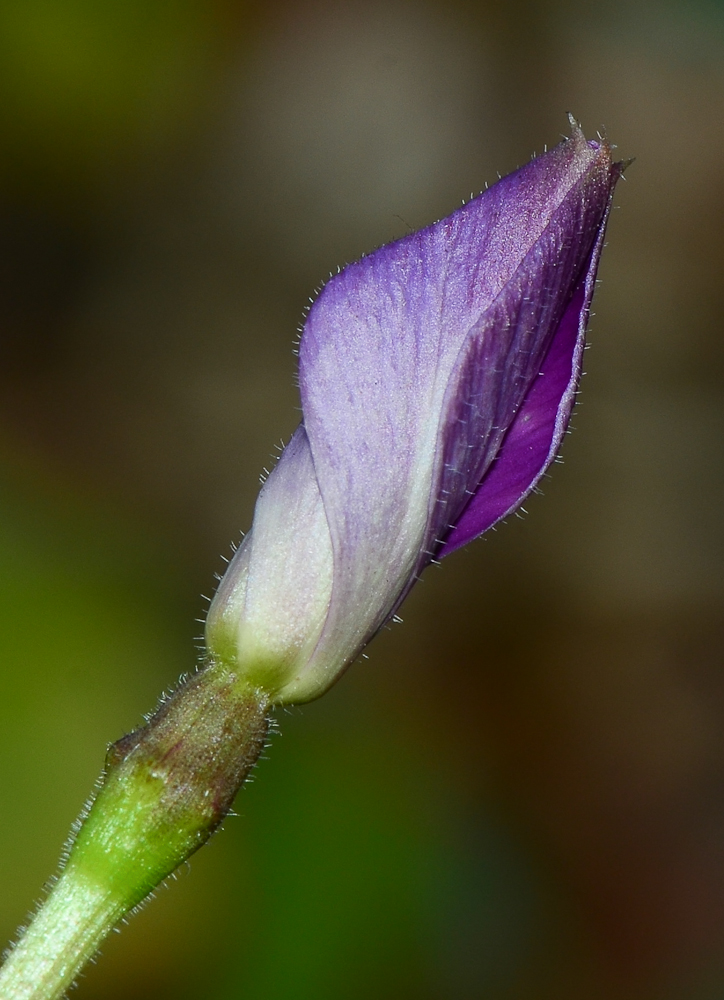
{"points": [[576, 130], [600, 147]]}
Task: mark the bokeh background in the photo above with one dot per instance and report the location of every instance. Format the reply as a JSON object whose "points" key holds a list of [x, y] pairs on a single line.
{"points": [[520, 795]]}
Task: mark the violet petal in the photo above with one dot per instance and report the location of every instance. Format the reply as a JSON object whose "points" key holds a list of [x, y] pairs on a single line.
{"points": [[384, 391]]}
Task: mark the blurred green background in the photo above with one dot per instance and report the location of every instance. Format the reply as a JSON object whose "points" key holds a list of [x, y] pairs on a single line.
{"points": [[519, 796]]}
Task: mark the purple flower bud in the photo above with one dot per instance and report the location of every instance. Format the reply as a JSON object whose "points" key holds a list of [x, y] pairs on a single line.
{"points": [[437, 378]]}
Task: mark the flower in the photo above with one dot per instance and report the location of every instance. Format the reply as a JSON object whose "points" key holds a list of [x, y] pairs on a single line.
{"points": [[437, 378]]}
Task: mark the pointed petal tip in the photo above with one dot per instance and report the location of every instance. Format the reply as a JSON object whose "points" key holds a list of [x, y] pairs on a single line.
{"points": [[576, 130], [579, 141], [599, 145]]}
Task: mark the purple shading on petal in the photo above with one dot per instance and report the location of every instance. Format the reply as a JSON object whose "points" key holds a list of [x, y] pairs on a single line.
{"points": [[534, 437], [504, 352]]}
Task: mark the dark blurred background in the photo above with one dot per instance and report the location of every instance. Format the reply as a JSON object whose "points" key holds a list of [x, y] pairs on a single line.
{"points": [[520, 795]]}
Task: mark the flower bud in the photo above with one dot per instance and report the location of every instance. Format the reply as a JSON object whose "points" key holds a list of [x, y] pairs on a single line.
{"points": [[437, 378]]}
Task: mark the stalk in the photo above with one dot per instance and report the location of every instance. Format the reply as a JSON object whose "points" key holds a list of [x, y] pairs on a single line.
{"points": [[165, 789]]}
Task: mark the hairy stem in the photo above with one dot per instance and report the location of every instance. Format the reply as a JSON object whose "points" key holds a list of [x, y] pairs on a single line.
{"points": [[166, 788]]}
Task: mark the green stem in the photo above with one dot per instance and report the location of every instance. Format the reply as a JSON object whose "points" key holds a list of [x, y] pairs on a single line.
{"points": [[166, 788], [64, 935]]}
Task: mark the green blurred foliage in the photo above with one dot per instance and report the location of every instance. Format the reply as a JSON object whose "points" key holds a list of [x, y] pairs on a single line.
{"points": [[85, 634], [89, 89]]}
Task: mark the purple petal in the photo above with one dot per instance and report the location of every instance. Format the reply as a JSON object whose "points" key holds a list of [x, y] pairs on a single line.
{"points": [[534, 437], [415, 361], [502, 360]]}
